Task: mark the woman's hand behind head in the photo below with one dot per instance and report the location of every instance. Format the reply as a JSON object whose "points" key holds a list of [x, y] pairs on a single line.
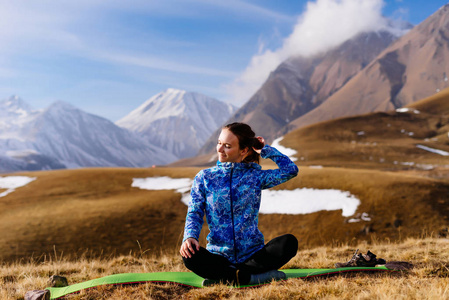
{"points": [[259, 143]]}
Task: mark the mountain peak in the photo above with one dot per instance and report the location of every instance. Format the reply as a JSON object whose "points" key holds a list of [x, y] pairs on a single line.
{"points": [[15, 103], [173, 91], [60, 109], [169, 103], [61, 104], [13, 112], [177, 120]]}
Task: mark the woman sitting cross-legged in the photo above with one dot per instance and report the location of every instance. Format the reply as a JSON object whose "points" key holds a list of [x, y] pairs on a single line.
{"points": [[229, 194]]}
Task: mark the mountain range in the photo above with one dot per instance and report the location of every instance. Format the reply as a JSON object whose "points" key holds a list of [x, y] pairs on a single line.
{"points": [[170, 125], [63, 136], [371, 72]]}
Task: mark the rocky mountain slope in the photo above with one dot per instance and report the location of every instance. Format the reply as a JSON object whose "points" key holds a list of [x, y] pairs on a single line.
{"points": [[410, 69]]}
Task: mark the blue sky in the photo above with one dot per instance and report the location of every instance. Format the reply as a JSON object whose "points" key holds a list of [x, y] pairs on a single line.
{"points": [[108, 56]]}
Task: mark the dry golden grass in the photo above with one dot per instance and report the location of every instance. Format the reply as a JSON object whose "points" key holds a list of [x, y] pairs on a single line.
{"points": [[428, 280]]}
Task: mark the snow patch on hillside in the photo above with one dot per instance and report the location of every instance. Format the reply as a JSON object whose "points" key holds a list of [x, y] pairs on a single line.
{"points": [[298, 201], [436, 151], [408, 110], [284, 150], [307, 201], [11, 183], [181, 185]]}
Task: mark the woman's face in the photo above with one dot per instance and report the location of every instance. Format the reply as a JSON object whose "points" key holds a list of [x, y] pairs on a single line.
{"points": [[228, 148]]}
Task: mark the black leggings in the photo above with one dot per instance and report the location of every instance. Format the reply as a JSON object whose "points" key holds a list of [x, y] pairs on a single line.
{"points": [[272, 256]]}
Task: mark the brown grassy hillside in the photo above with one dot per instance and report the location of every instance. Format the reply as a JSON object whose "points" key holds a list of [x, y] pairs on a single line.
{"points": [[90, 209], [437, 104], [383, 141], [96, 212]]}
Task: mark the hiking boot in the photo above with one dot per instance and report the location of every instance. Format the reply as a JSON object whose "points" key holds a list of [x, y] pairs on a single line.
{"points": [[362, 260], [37, 295], [369, 260], [350, 263], [267, 277]]}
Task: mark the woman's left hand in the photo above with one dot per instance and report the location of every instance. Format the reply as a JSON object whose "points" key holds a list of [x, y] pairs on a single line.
{"points": [[262, 141]]}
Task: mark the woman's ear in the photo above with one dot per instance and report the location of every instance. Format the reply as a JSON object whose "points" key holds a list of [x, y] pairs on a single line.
{"points": [[244, 152]]}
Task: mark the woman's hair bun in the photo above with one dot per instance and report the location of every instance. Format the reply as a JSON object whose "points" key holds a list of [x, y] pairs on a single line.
{"points": [[257, 144]]}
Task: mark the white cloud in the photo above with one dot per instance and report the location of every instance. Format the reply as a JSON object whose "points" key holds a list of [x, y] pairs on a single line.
{"points": [[154, 62], [246, 10], [324, 24]]}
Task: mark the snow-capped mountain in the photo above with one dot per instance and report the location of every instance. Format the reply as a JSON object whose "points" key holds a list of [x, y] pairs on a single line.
{"points": [[64, 136], [178, 121], [14, 112]]}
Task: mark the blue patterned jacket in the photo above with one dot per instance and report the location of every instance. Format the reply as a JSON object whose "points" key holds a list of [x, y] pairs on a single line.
{"points": [[229, 194]]}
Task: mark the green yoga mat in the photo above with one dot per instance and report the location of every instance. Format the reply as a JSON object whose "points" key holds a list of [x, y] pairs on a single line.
{"points": [[189, 278]]}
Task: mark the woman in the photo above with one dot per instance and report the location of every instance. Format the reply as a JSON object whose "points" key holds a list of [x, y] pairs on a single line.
{"points": [[229, 195]]}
